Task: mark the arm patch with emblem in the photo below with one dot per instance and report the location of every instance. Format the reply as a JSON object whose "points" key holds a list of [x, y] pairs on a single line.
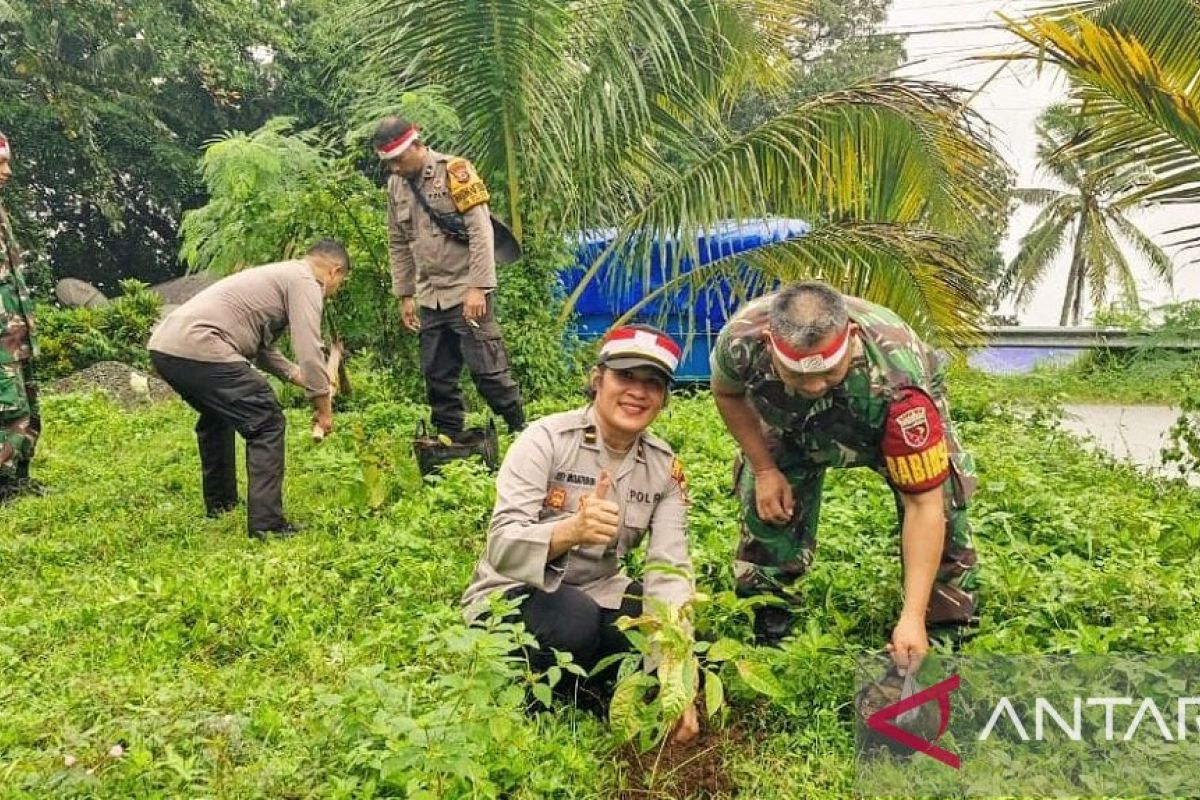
{"points": [[914, 443], [678, 476], [467, 189]]}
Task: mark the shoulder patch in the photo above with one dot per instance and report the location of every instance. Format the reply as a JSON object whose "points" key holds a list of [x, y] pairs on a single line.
{"points": [[556, 498], [467, 189], [680, 478], [914, 426], [915, 452]]}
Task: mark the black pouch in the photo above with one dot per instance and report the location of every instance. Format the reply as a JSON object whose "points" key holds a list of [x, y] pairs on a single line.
{"points": [[432, 452]]}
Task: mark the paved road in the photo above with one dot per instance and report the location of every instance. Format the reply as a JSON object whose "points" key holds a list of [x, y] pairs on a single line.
{"points": [[1135, 433]]}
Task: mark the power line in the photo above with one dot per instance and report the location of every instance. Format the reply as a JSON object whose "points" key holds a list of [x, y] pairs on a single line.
{"points": [[921, 30], [954, 4], [925, 55]]}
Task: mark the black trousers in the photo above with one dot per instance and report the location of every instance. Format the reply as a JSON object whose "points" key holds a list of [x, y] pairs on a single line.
{"points": [[570, 621], [233, 397], [447, 341]]}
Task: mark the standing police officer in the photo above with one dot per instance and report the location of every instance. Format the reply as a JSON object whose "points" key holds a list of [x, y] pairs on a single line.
{"points": [[441, 245], [20, 422], [807, 379]]}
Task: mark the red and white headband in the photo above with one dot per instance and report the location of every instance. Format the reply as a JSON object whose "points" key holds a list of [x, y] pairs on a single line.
{"points": [[398, 145], [630, 342], [810, 361], [5, 150]]}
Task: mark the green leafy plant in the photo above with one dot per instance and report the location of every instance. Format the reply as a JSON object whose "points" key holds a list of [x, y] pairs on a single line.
{"points": [[70, 339], [1183, 450], [442, 726], [336, 664], [647, 703], [1133, 66]]}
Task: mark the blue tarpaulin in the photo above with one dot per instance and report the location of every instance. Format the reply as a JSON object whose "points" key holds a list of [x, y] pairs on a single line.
{"points": [[606, 297]]}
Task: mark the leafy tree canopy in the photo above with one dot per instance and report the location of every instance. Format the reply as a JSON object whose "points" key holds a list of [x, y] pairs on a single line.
{"points": [[107, 102]]}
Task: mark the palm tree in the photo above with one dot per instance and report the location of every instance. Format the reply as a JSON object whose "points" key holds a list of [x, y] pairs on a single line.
{"points": [[613, 113], [1134, 67], [1101, 191]]}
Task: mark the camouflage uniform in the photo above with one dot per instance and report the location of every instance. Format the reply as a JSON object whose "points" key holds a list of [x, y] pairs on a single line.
{"points": [[844, 428], [20, 421]]}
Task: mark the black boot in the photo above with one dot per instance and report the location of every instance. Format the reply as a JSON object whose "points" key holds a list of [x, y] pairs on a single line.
{"points": [[26, 484], [215, 510], [772, 624], [514, 418], [284, 531], [9, 488]]}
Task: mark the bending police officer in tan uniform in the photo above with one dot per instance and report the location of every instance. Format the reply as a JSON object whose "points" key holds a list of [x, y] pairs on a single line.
{"points": [[452, 281], [579, 490], [20, 420], [203, 349]]}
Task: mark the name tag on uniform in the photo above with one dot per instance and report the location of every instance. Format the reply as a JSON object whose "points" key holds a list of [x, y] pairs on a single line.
{"points": [[575, 478], [638, 496]]}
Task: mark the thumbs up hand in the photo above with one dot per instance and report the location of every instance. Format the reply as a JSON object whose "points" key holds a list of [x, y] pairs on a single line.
{"points": [[597, 517]]}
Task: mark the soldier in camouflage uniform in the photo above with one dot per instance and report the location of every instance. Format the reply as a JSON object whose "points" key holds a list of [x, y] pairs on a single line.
{"points": [[808, 379], [20, 422]]}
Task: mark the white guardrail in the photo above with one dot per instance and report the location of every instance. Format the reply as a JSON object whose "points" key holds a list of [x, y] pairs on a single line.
{"points": [[1083, 338]]}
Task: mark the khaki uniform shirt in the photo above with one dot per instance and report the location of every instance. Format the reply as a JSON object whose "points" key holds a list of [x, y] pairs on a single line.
{"points": [[239, 318], [554, 463], [426, 263]]}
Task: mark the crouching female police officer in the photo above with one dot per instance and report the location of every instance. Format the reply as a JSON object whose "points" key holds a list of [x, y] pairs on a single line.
{"points": [[576, 492]]}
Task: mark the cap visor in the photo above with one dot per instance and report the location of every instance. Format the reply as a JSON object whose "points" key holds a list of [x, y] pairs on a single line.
{"points": [[630, 362]]}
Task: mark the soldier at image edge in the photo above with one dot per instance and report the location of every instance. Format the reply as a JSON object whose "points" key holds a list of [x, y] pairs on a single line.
{"points": [[20, 418], [809, 379]]}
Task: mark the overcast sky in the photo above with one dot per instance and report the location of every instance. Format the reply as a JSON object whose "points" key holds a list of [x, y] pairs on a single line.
{"points": [[1011, 102]]}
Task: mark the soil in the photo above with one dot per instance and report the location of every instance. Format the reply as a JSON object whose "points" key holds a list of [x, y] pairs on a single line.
{"points": [[924, 721], [682, 771], [116, 380]]}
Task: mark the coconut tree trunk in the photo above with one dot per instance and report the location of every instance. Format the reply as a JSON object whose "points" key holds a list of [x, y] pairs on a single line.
{"points": [[1077, 311], [1075, 279]]}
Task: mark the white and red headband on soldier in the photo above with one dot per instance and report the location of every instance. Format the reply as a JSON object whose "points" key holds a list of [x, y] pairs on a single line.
{"points": [[632, 346], [5, 150], [398, 145], [811, 361]]}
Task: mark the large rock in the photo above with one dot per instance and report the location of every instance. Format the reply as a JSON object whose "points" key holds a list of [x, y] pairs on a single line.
{"points": [[178, 291], [74, 293]]}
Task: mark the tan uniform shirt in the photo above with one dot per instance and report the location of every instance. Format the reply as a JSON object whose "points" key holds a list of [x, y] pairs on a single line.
{"points": [[554, 463], [426, 263], [239, 318]]}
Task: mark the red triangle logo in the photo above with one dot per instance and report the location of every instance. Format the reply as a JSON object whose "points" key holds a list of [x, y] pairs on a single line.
{"points": [[881, 721]]}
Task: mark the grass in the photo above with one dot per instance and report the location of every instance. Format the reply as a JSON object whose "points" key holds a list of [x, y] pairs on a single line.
{"points": [[1139, 377], [334, 665]]}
